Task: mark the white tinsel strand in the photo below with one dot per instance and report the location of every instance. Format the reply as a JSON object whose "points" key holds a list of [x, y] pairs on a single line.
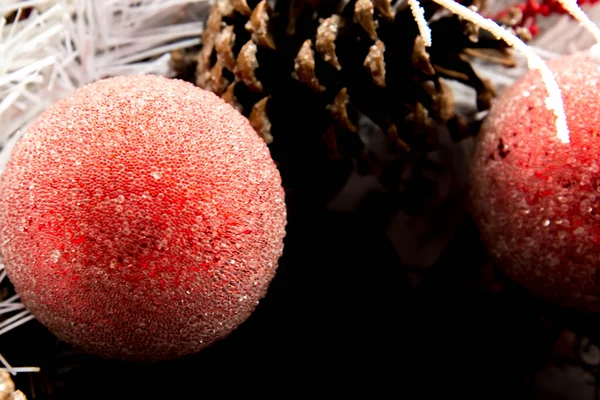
{"points": [[65, 44], [11, 306], [418, 15], [14, 370]]}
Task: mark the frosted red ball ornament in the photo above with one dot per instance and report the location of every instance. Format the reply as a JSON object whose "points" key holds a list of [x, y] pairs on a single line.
{"points": [[141, 218], [536, 199]]}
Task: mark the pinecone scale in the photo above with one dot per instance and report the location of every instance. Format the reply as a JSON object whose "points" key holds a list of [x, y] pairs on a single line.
{"points": [[307, 72]]}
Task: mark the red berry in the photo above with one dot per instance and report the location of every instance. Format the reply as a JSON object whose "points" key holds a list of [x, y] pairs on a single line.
{"points": [[141, 218], [534, 29], [534, 6], [536, 199], [544, 10]]}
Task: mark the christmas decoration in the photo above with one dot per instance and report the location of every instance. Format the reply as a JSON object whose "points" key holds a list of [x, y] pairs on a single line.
{"points": [[534, 196], [453, 282], [141, 218]]}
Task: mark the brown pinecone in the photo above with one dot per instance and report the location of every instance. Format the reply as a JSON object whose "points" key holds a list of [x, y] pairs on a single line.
{"points": [[309, 73]]}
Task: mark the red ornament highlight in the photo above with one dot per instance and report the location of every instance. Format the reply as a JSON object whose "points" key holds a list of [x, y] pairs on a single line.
{"points": [[537, 200], [141, 218]]}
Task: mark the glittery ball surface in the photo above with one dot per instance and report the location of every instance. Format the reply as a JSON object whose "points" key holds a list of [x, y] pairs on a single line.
{"points": [[141, 218], [537, 200]]}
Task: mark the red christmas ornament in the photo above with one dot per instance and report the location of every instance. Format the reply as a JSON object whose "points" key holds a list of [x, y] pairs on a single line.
{"points": [[537, 199], [141, 218]]}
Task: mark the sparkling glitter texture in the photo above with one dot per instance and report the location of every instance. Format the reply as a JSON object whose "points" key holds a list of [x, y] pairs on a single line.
{"points": [[141, 218], [537, 200]]}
